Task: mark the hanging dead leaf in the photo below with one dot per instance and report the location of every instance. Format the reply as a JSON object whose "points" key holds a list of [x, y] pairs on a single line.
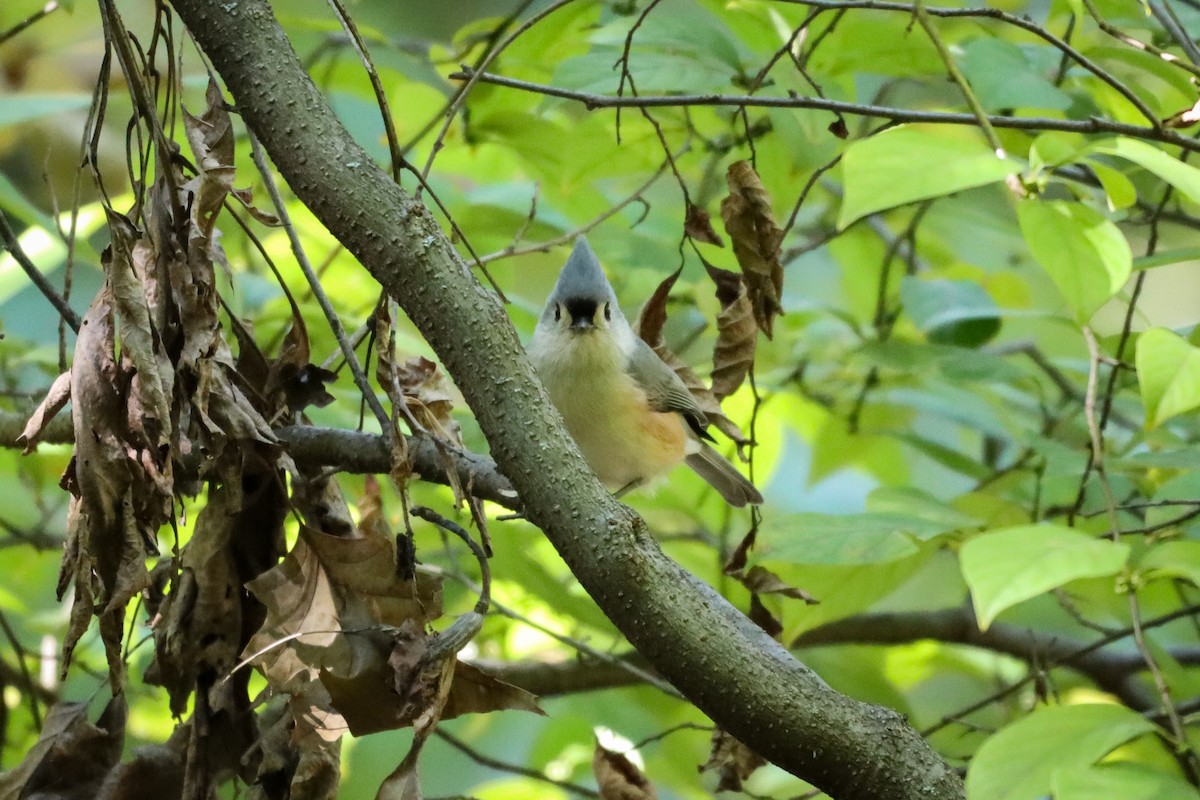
{"points": [[698, 225], [154, 374], [211, 138], [619, 778], [733, 760], [56, 399], [246, 198], [737, 332], [751, 225], [430, 397], [761, 616], [106, 549], [653, 314], [761, 580]]}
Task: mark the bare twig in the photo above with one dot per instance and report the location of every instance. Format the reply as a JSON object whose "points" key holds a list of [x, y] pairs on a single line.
{"points": [[593, 101]]}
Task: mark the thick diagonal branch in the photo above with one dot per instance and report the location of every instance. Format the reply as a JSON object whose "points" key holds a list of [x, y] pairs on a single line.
{"points": [[728, 667]]}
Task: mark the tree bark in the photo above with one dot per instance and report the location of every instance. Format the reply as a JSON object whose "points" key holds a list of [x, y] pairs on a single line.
{"points": [[748, 683]]}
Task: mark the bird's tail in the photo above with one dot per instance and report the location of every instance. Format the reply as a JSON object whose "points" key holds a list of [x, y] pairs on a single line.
{"points": [[723, 476]]}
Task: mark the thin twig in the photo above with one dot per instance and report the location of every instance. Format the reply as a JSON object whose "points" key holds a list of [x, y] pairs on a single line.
{"points": [[13, 245], [515, 769], [314, 283], [956, 75], [896, 115], [36, 16]]}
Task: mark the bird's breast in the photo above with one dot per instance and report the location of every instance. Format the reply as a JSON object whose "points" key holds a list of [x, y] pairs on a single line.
{"points": [[624, 441]]}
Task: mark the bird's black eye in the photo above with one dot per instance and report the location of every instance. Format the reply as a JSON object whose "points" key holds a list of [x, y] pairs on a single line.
{"points": [[557, 312], [607, 311]]}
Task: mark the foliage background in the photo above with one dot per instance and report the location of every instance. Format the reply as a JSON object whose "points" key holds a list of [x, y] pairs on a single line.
{"points": [[929, 393]]}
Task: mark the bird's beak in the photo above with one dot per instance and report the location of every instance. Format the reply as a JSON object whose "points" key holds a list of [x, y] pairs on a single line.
{"points": [[582, 324]]}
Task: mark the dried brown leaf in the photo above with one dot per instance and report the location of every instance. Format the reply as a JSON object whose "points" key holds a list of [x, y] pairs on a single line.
{"points": [[619, 778], [430, 397], [201, 619], [761, 580], [211, 138], [246, 198], [698, 225], [737, 333], [72, 756], [56, 399], [653, 316], [734, 761], [751, 225], [140, 341], [107, 544]]}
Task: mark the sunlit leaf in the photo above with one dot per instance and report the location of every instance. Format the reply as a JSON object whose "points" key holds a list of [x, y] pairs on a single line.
{"points": [[915, 162], [1005, 567], [1168, 370], [1084, 252]]}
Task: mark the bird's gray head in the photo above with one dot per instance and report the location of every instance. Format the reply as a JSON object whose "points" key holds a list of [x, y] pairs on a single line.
{"points": [[582, 299]]}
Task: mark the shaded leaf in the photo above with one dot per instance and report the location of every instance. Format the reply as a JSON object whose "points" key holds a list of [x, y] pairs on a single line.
{"points": [[1046, 741], [72, 757], [211, 138], [756, 237], [761, 580]]}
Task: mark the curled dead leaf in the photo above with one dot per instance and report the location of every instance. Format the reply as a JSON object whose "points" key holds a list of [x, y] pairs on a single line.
{"points": [[619, 778], [756, 236], [733, 760], [698, 225], [737, 332]]}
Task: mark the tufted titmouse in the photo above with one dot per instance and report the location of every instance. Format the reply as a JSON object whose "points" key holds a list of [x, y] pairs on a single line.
{"points": [[630, 414]]}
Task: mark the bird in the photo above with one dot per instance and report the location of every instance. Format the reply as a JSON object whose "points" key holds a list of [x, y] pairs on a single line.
{"points": [[631, 416]]}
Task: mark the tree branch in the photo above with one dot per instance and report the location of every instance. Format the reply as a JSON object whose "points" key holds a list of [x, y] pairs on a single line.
{"points": [[748, 683], [594, 101]]}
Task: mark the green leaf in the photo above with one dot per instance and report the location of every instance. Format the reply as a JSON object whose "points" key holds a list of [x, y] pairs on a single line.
{"points": [[915, 162], [1166, 257], [1180, 559], [1183, 177], [1168, 371], [1083, 251], [950, 312], [1119, 189], [915, 502], [1126, 781], [1008, 566], [1020, 761], [810, 538], [1003, 78]]}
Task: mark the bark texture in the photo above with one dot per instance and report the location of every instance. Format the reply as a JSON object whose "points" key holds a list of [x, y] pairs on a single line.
{"points": [[745, 681]]}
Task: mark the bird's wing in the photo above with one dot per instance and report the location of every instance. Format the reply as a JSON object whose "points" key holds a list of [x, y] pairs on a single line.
{"points": [[664, 389]]}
